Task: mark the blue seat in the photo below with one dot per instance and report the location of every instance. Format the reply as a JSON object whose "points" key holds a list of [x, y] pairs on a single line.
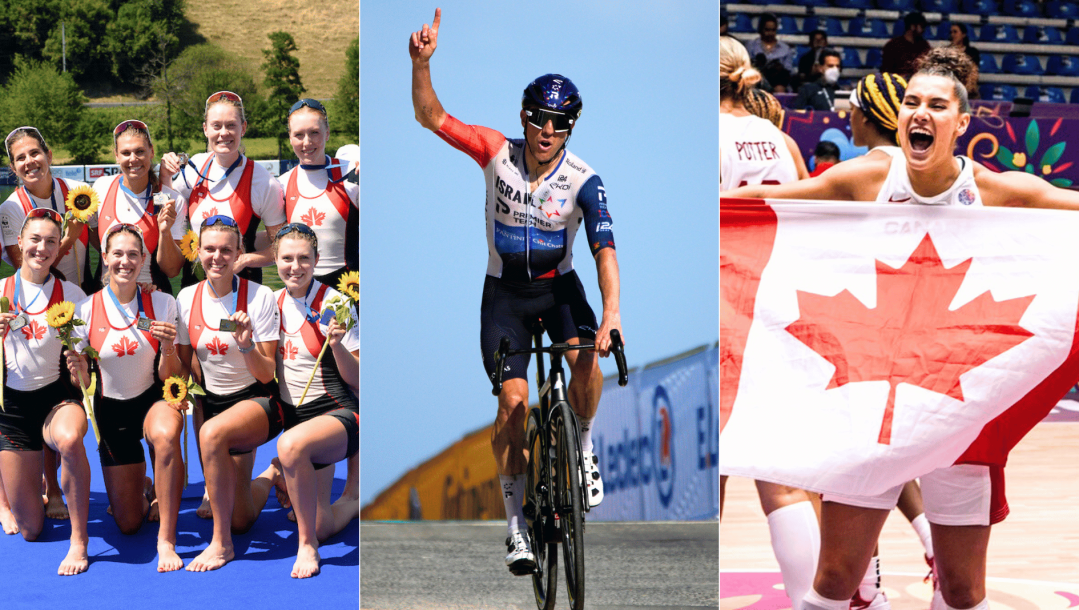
{"points": [[1056, 9], [988, 64], [1021, 8], [787, 25], [903, 6], [862, 4], [943, 31], [1062, 65], [833, 26], [1053, 95], [809, 24], [939, 6], [1072, 37], [998, 33], [873, 59], [868, 28], [851, 59], [980, 7], [1020, 63], [1074, 97], [1036, 34], [999, 93], [742, 23]]}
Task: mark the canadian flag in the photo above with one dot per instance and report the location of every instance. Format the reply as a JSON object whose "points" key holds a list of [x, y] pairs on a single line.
{"points": [[864, 345]]}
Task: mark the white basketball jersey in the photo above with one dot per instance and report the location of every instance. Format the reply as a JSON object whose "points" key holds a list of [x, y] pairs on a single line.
{"points": [[752, 151], [897, 188]]}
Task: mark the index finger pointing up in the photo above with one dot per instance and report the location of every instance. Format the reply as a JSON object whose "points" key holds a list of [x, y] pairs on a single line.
{"points": [[438, 19]]}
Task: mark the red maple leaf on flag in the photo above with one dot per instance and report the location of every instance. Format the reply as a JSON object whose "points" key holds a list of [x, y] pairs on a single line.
{"points": [[33, 330], [126, 347], [288, 350], [313, 218], [217, 348], [911, 336], [212, 212]]}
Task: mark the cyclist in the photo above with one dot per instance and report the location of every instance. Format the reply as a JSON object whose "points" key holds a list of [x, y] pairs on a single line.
{"points": [[538, 194]]}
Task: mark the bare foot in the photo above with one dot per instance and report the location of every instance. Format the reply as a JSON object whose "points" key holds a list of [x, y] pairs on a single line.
{"points": [[291, 516], [167, 559], [204, 509], [55, 507], [280, 489], [108, 509], [306, 564], [7, 520], [212, 558], [76, 561], [154, 514]]}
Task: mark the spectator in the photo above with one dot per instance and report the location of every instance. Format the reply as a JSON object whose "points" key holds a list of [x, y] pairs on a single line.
{"points": [[723, 24], [825, 155], [961, 40], [820, 94], [901, 52], [809, 62], [772, 57]]}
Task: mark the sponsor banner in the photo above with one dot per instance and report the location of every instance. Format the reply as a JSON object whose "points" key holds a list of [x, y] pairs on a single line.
{"points": [[69, 172], [93, 172]]}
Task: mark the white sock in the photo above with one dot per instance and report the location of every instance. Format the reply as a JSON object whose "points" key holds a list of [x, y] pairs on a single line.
{"points": [[513, 493], [796, 543], [938, 603], [813, 601], [586, 433], [870, 584], [921, 527]]}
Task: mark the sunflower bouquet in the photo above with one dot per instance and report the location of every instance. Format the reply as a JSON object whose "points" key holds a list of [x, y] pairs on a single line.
{"points": [[81, 203], [178, 394], [61, 317], [343, 305]]}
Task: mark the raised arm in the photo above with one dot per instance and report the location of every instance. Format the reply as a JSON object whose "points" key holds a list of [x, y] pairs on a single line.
{"points": [[421, 46], [1020, 189]]}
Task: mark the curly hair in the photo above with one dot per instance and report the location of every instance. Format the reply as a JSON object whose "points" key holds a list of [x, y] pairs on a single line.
{"points": [[954, 64]]}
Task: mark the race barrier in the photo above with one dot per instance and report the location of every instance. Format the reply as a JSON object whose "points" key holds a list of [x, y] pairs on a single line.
{"points": [[657, 438]]}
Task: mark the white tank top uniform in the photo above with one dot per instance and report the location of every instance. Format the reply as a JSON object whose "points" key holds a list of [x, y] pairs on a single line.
{"points": [[312, 199], [300, 345], [13, 212], [32, 351], [752, 151], [897, 188], [126, 207], [265, 192]]}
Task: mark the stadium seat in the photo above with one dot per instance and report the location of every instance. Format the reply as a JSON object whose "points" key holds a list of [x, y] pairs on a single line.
{"points": [[998, 33], [980, 7], [1061, 10], [1000, 93], [873, 59], [868, 28], [1053, 95], [742, 23], [939, 6], [1021, 8], [1074, 97], [1062, 65], [787, 25], [1072, 37], [943, 31], [833, 26], [860, 4], [810, 23], [1036, 34], [903, 6], [851, 59], [988, 64], [1019, 63]]}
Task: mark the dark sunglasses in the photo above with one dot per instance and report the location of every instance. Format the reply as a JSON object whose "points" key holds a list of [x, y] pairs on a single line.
{"points": [[122, 226], [310, 103], [294, 226], [49, 213], [538, 117], [219, 219], [224, 95], [129, 124]]}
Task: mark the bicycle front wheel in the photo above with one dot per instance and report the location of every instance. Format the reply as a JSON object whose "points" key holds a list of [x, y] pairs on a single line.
{"points": [[570, 503], [539, 514]]}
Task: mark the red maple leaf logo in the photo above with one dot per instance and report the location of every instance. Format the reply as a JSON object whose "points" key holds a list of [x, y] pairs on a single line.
{"points": [[126, 347], [33, 330], [313, 218], [217, 348], [288, 350], [212, 212], [918, 340]]}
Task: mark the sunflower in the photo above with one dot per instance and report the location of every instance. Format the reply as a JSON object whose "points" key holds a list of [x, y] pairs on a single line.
{"points": [[175, 390], [60, 314], [189, 245], [82, 203], [350, 285]]}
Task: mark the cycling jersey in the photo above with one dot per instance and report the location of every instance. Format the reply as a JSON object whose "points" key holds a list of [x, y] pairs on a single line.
{"points": [[530, 234]]}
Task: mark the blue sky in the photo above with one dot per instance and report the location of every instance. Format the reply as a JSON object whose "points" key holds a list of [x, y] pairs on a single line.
{"points": [[648, 75]]}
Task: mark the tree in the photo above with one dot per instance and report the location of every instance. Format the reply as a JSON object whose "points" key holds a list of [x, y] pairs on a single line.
{"points": [[283, 80], [84, 24], [142, 31], [345, 107], [38, 94]]}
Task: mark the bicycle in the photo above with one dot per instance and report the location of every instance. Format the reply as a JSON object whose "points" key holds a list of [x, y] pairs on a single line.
{"points": [[555, 500]]}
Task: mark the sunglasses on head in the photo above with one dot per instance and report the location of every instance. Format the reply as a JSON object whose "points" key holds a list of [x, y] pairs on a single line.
{"points": [[15, 132], [224, 95], [48, 213], [219, 219], [129, 124], [123, 226], [294, 226], [538, 117], [310, 103]]}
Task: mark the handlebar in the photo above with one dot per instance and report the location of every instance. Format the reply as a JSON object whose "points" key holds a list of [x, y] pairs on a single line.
{"points": [[504, 352]]}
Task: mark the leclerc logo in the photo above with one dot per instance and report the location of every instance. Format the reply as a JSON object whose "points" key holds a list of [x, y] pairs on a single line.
{"points": [[662, 449]]}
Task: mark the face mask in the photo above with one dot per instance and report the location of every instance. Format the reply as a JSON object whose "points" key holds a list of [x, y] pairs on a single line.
{"points": [[831, 75]]}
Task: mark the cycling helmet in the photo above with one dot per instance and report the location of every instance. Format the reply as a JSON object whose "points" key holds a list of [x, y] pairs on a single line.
{"points": [[553, 92]]}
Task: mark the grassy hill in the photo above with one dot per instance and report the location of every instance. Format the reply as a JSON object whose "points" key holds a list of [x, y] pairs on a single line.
{"points": [[322, 30]]}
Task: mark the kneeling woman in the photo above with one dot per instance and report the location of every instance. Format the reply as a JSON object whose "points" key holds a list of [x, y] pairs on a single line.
{"points": [[39, 406], [325, 428], [230, 325], [134, 333]]}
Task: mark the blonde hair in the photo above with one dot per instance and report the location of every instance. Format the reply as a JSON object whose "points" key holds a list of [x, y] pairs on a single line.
{"points": [[736, 74]]}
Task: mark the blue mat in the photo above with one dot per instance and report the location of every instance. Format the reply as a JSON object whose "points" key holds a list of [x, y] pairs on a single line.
{"points": [[123, 569]]}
